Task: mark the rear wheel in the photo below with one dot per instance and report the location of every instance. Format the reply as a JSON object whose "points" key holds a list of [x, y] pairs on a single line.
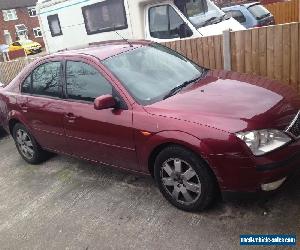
{"points": [[27, 145], [184, 179]]}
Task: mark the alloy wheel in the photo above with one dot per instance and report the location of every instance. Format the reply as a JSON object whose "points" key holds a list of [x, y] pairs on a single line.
{"points": [[24, 144], [181, 181]]}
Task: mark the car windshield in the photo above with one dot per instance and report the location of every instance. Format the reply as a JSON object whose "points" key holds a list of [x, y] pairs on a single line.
{"points": [[149, 73], [199, 12], [25, 42], [258, 11]]}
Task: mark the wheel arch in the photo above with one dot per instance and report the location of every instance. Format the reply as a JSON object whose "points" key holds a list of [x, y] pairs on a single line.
{"points": [[161, 147], [11, 123], [182, 139]]}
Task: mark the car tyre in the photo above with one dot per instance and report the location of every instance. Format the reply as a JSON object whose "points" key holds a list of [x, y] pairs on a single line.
{"points": [[27, 146], [184, 179]]}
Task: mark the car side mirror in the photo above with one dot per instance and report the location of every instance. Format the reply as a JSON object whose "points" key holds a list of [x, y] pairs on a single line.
{"points": [[185, 31], [104, 102]]}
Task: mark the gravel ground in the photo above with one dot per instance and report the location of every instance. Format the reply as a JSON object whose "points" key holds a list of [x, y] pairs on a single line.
{"points": [[69, 204]]}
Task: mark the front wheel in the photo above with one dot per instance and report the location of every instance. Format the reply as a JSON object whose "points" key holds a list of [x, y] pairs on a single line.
{"points": [[27, 145], [184, 179]]}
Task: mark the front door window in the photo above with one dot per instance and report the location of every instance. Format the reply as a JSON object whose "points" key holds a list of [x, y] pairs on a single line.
{"points": [[164, 22], [85, 83]]}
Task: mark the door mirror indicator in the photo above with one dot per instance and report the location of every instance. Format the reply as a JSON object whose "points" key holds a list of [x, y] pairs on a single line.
{"points": [[104, 102]]}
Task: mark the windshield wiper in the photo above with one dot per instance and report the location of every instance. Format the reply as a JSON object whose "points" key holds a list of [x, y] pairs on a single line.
{"points": [[175, 90], [208, 21]]}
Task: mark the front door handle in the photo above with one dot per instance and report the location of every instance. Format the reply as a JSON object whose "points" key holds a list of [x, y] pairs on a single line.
{"points": [[70, 117], [24, 108]]}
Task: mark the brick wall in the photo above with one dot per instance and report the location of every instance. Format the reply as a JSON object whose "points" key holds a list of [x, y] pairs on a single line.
{"points": [[23, 18]]}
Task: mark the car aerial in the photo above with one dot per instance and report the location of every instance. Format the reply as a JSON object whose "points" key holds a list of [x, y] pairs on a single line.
{"points": [[143, 107], [30, 47], [250, 15]]}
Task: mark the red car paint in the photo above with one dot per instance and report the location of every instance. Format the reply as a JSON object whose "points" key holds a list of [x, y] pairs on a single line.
{"points": [[203, 118]]}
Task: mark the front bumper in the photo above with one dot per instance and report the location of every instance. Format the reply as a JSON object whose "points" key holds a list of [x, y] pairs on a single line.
{"points": [[33, 51], [239, 173]]}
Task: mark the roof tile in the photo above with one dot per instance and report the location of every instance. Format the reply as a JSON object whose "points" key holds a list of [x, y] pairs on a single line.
{"points": [[12, 4]]}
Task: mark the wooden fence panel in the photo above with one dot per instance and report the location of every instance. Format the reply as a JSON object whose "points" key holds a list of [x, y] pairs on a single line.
{"points": [[206, 51], [255, 51], [285, 12], [278, 53], [294, 55], [262, 50], [9, 70], [270, 51], [286, 40]]}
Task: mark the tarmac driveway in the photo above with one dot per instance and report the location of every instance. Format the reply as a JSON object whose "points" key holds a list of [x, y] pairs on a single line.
{"points": [[69, 204]]}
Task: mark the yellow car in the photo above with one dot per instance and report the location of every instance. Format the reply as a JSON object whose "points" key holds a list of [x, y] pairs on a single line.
{"points": [[29, 46]]}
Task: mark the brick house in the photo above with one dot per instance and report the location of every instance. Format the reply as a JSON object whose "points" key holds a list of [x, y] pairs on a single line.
{"points": [[18, 20]]}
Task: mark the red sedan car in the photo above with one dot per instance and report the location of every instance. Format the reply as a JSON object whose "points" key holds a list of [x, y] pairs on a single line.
{"points": [[142, 107]]}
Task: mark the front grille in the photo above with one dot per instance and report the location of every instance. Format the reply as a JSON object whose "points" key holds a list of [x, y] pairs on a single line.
{"points": [[294, 128]]}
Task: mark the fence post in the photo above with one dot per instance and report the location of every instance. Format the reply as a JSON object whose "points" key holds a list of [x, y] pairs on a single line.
{"points": [[226, 50]]}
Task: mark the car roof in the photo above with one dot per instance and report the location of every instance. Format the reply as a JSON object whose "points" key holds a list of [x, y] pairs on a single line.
{"points": [[247, 5], [238, 6], [104, 50]]}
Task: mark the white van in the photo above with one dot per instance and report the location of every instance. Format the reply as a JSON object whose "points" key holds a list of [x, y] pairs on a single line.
{"points": [[78, 23]]}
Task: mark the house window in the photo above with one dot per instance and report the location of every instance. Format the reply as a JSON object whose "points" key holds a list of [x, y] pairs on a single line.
{"points": [[54, 25], [31, 11], [9, 15], [37, 32], [104, 16], [21, 31]]}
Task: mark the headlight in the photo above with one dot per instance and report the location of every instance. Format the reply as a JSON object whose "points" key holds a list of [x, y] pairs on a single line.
{"points": [[264, 141]]}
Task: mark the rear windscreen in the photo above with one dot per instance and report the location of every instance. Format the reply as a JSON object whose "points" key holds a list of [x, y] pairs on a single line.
{"points": [[258, 11]]}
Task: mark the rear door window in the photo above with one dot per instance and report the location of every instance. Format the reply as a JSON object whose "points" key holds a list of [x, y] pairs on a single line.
{"points": [[85, 83], [46, 80]]}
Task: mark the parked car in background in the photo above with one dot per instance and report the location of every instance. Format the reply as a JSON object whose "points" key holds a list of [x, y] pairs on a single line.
{"points": [[156, 20], [145, 108], [30, 47], [250, 15]]}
